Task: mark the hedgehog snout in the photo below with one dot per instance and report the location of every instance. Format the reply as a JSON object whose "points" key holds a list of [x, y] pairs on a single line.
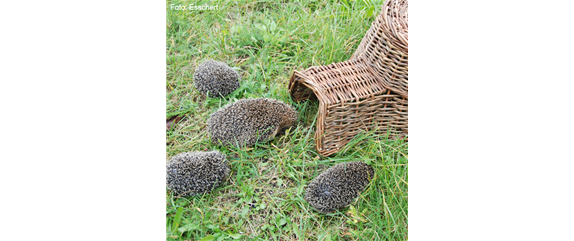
{"points": [[282, 130]]}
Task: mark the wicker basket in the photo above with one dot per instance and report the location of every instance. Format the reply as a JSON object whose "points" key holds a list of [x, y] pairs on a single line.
{"points": [[368, 91]]}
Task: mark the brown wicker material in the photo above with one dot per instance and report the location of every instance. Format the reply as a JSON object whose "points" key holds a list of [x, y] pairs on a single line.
{"points": [[368, 91]]}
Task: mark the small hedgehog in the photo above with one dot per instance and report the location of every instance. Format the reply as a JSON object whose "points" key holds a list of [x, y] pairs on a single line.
{"points": [[247, 121], [338, 186], [193, 173], [215, 78]]}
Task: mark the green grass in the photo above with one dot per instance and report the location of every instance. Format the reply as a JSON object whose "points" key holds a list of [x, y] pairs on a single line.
{"points": [[263, 199]]}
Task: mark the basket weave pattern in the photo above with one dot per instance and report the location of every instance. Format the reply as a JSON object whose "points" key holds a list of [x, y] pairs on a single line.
{"points": [[369, 91], [385, 46]]}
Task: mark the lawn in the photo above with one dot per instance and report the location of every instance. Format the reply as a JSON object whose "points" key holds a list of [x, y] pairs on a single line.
{"points": [[265, 41]]}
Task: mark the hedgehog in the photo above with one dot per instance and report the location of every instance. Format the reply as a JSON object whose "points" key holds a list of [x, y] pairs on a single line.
{"points": [[196, 173], [248, 121], [338, 186], [215, 79]]}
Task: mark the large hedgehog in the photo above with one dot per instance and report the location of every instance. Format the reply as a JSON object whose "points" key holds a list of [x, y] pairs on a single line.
{"points": [[193, 173], [216, 78], [248, 121], [338, 186]]}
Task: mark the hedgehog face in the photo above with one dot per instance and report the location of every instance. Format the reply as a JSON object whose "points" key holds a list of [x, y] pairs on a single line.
{"points": [[195, 173], [215, 78], [282, 130], [248, 121], [338, 186]]}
